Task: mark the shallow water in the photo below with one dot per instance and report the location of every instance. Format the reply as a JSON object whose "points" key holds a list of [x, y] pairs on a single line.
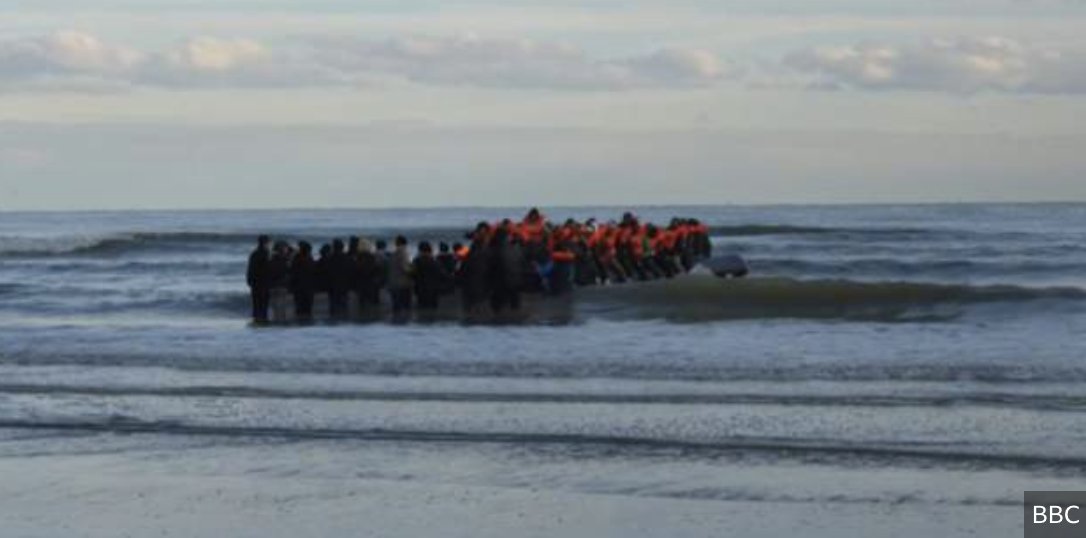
{"points": [[868, 340]]}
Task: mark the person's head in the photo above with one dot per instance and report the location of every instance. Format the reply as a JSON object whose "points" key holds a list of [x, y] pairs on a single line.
{"points": [[533, 214], [263, 241], [401, 241], [326, 250], [501, 237], [443, 247], [281, 247], [337, 246], [304, 248], [457, 247], [353, 242], [365, 246], [381, 245], [425, 247]]}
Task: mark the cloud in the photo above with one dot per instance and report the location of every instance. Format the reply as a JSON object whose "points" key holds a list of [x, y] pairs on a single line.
{"points": [[470, 60], [73, 60], [63, 53], [960, 65]]}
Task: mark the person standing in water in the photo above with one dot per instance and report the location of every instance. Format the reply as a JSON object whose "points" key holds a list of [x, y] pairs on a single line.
{"points": [[340, 269], [447, 260], [400, 279], [303, 282], [279, 280], [257, 278], [369, 278], [431, 280]]}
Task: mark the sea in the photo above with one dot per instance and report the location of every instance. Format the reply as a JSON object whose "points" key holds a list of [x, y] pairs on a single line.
{"points": [[877, 356]]}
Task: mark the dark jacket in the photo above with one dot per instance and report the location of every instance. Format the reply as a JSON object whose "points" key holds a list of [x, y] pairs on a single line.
{"points": [[473, 274], [257, 274], [448, 262], [303, 275], [323, 274], [430, 277], [279, 271], [506, 267], [368, 271], [341, 273]]}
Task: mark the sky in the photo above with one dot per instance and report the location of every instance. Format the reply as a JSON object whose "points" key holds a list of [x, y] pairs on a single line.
{"points": [[147, 104]]}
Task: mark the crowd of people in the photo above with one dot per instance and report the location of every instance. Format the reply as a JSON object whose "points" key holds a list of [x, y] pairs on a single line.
{"points": [[500, 262]]}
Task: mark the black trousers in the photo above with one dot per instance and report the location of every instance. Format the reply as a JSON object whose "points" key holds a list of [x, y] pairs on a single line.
{"points": [[260, 298], [303, 305], [337, 304], [501, 298], [428, 300], [401, 299]]}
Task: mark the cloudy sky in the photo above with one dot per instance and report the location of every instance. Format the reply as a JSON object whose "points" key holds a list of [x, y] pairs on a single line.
{"points": [[344, 103]]}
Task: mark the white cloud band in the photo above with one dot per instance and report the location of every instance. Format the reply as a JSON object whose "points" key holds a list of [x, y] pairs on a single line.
{"points": [[71, 59], [962, 65]]}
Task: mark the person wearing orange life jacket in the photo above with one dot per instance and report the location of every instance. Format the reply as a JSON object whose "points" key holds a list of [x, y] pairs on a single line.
{"points": [[533, 226], [662, 253], [624, 254], [685, 244], [560, 277], [606, 252], [461, 252]]}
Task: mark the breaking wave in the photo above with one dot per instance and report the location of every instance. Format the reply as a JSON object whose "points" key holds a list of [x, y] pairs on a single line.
{"points": [[702, 298]]}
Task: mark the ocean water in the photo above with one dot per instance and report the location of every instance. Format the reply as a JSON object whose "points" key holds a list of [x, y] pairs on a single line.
{"points": [[871, 343]]}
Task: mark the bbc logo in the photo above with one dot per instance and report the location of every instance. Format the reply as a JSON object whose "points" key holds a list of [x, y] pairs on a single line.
{"points": [[1054, 514]]}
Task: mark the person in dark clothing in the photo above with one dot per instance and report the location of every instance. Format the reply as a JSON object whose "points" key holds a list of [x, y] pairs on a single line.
{"points": [[339, 277], [472, 277], [431, 279], [368, 278], [257, 277], [303, 282], [323, 273], [447, 260], [505, 272]]}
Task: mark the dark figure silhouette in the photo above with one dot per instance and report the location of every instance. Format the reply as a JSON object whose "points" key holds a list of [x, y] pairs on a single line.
{"points": [[303, 282], [258, 279], [472, 276], [504, 272], [369, 276], [323, 269], [339, 272], [431, 279], [447, 260]]}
